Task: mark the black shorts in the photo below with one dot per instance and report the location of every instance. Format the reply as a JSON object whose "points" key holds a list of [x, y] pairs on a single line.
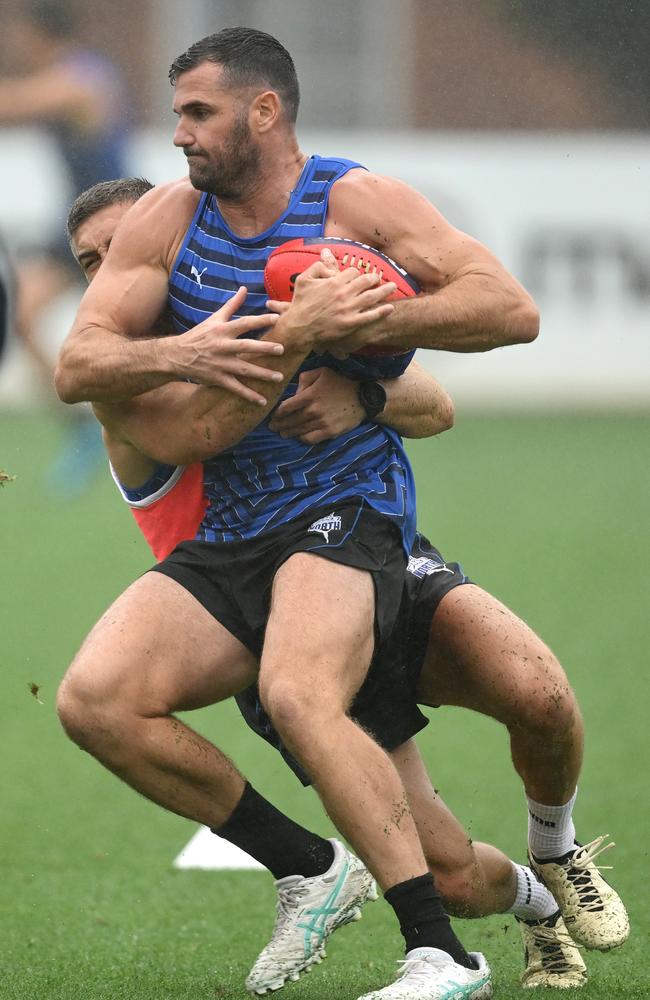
{"points": [[387, 703], [233, 580]]}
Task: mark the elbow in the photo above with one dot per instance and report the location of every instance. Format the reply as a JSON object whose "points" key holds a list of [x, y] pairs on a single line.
{"points": [[66, 385], [447, 414], [442, 418], [527, 322], [447, 419], [70, 387], [435, 421]]}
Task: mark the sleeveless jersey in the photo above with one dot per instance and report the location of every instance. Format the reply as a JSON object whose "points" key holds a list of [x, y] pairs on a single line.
{"points": [[169, 507], [265, 480]]}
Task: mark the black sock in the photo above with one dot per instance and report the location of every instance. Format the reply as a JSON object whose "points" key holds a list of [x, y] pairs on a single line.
{"points": [[422, 920], [281, 845]]}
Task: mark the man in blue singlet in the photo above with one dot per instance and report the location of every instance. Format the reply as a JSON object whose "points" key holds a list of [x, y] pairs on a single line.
{"points": [[313, 537], [447, 648], [77, 96]]}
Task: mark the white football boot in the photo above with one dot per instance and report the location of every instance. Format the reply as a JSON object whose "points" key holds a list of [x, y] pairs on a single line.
{"points": [[432, 974], [593, 912], [309, 910], [550, 956]]}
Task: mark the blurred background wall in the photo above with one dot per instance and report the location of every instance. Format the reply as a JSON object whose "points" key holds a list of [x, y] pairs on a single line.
{"points": [[524, 121]]}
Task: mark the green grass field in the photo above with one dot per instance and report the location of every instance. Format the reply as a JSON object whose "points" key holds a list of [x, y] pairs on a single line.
{"points": [[550, 513]]}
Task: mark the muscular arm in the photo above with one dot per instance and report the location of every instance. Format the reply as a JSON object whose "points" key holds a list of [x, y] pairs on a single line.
{"points": [[417, 406], [108, 356], [327, 404], [178, 424], [471, 302], [182, 423]]}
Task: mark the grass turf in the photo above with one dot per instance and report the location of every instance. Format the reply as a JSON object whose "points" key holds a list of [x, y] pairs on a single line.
{"points": [[550, 513]]}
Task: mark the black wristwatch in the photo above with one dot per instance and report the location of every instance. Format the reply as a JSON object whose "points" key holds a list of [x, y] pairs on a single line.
{"points": [[372, 397]]}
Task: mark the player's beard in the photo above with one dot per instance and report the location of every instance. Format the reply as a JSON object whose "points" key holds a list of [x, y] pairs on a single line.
{"points": [[231, 171]]}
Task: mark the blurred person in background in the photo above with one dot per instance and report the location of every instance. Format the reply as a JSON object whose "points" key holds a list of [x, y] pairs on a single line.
{"points": [[78, 96], [6, 294]]}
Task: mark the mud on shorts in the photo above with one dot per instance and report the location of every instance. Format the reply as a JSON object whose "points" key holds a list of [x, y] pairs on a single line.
{"points": [[386, 705]]}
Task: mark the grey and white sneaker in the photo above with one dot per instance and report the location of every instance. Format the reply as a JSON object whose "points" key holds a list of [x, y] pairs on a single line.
{"points": [[432, 974], [309, 910]]}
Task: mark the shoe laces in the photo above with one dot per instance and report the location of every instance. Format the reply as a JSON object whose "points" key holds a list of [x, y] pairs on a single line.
{"points": [[553, 945], [578, 873], [289, 899], [420, 968]]}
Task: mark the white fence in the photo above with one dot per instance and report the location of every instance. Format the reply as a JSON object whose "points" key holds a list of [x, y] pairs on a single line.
{"points": [[569, 214]]}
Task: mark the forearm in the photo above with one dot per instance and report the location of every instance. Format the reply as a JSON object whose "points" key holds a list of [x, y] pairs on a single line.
{"points": [[417, 406], [475, 312], [221, 419], [182, 423], [100, 366], [221, 413], [472, 313]]}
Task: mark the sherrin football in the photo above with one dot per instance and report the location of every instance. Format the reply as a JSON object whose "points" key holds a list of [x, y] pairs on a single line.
{"points": [[290, 259]]}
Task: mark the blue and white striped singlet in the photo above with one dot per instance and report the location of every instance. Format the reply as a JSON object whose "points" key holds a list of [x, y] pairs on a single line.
{"points": [[265, 480]]}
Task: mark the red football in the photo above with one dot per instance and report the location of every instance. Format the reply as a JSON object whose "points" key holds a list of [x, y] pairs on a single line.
{"points": [[290, 259]]}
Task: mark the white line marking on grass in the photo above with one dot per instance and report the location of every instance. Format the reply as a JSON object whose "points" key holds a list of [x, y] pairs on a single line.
{"points": [[207, 851]]}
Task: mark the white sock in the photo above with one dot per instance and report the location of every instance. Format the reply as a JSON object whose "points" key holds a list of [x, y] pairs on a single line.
{"points": [[533, 901], [551, 832]]}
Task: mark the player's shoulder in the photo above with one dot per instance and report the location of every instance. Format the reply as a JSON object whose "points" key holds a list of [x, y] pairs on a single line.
{"points": [[167, 201], [360, 196], [363, 182], [163, 214]]}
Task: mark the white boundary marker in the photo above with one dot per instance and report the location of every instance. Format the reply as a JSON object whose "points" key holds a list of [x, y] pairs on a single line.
{"points": [[209, 852]]}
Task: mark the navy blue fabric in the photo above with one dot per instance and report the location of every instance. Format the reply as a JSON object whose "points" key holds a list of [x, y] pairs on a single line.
{"points": [[265, 480], [160, 477]]}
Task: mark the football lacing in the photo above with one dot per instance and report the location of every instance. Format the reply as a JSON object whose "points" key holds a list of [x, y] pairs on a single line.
{"points": [[578, 874], [351, 260]]}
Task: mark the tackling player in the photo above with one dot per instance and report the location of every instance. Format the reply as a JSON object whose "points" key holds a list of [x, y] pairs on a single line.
{"points": [[472, 880], [241, 822], [263, 530], [472, 304]]}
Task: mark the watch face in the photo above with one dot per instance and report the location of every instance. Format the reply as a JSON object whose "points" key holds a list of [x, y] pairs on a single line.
{"points": [[373, 397]]}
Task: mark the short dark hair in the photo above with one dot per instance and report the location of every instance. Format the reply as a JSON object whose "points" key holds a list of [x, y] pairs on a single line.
{"points": [[118, 192], [249, 57]]}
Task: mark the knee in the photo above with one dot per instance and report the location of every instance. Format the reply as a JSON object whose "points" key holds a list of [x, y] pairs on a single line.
{"points": [[71, 708], [294, 710], [549, 708], [89, 715]]}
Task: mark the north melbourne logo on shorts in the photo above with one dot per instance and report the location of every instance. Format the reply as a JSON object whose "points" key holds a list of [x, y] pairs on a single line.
{"points": [[326, 524], [422, 566]]}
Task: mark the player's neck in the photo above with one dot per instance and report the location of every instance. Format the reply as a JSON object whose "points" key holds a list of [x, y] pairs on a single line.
{"points": [[267, 196]]}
